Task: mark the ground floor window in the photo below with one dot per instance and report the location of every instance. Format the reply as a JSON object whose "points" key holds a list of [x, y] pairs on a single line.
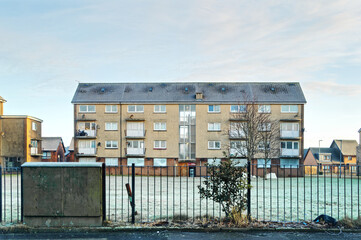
{"points": [[12, 162], [139, 162], [111, 162], [159, 162], [262, 162], [214, 161], [239, 162], [46, 155], [289, 163], [87, 159]]}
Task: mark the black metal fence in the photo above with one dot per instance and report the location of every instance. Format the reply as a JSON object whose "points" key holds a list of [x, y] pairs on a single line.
{"points": [[10, 194], [278, 193]]}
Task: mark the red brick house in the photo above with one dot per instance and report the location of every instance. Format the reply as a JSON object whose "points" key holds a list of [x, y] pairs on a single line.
{"points": [[53, 149]]}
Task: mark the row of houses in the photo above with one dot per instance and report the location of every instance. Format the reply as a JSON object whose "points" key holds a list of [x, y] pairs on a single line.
{"points": [[21, 141]]}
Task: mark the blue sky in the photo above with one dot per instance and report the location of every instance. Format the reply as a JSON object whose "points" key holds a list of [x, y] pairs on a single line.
{"points": [[47, 47]]}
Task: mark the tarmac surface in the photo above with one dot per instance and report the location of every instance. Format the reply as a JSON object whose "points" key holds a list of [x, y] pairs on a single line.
{"points": [[187, 235]]}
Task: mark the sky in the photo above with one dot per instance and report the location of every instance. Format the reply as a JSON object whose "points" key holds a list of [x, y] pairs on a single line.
{"points": [[48, 47]]}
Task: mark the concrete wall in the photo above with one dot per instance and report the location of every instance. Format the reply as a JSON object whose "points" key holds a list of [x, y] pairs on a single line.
{"points": [[62, 195], [14, 138]]}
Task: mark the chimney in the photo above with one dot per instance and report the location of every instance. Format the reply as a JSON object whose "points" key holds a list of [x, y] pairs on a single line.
{"points": [[199, 96]]}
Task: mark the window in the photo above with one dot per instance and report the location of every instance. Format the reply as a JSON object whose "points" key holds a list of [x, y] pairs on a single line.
{"points": [[289, 109], [87, 108], [111, 108], [135, 108], [349, 157], [289, 163], [159, 162], [289, 145], [261, 163], [160, 126], [111, 126], [239, 162], [46, 155], [214, 144], [111, 144], [214, 108], [160, 144], [86, 144], [138, 162], [264, 108], [264, 127], [112, 162], [263, 146], [33, 126], [160, 108], [214, 126], [214, 161], [82, 159], [238, 108]]}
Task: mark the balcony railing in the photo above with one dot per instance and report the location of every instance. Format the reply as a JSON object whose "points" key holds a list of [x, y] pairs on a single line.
{"points": [[34, 151], [86, 133], [87, 151], [135, 151], [290, 134], [135, 133], [290, 152]]}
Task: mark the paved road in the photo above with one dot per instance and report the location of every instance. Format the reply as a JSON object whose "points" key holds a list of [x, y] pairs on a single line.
{"points": [[186, 235]]}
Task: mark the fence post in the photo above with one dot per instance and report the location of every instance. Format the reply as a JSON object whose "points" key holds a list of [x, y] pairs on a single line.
{"points": [[1, 197], [22, 194], [249, 190], [133, 193], [103, 192]]}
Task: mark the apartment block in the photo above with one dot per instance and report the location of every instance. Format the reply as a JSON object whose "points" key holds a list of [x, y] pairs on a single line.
{"points": [[181, 124], [20, 139]]}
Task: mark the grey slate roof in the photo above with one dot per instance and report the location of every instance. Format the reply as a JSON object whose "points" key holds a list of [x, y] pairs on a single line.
{"points": [[51, 143], [335, 153], [348, 147], [217, 92]]}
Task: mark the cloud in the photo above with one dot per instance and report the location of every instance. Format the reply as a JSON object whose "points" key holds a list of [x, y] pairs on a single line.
{"points": [[333, 88]]}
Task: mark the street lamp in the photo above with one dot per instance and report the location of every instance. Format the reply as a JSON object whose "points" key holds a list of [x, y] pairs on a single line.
{"points": [[319, 151]]}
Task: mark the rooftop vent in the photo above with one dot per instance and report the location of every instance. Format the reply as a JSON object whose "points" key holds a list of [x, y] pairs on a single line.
{"points": [[150, 89], [186, 90], [102, 90], [223, 89], [273, 89], [199, 96], [163, 85]]}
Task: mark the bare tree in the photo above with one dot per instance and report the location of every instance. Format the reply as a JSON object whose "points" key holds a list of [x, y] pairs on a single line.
{"points": [[253, 132]]}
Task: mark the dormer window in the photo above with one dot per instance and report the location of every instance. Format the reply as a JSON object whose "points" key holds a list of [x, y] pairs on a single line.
{"points": [[199, 96]]}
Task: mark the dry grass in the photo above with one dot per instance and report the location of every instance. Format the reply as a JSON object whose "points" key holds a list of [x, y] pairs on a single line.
{"points": [[350, 223]]}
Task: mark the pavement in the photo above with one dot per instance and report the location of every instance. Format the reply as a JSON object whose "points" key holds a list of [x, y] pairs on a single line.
{"points": [[166, 234]]}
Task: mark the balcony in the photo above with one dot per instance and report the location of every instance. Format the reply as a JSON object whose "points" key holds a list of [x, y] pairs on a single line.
{"points": [[236, 136], [86, 134], [135, 134], [34, 151], [139, 152], [87, 152], [290, 134], [290, 152]]}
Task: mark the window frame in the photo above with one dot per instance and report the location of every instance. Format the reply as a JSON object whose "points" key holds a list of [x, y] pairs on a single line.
{"points": [[160, 110], [262, 165], [87, 109], [160, 165], [111, 124], [289, 165], [289, 108], [34, 126], [112, 145], [158, 126], [160, 144], [111, 108], [111, 164], [214, 147], [214, 161], [214, 124], [239, 107], [214, 106], [135, 163], [263, 107], [136, 110]]}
